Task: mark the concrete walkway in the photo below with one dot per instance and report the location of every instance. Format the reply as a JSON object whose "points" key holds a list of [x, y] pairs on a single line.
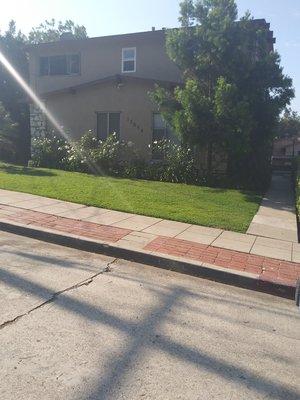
{"points": [[262, 259], [276, 217]]}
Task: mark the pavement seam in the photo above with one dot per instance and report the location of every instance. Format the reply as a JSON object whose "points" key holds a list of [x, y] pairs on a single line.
{"points": [[252, 245], [85, 282], [175, 237], [155, 223], [217, 237], [212, 243]]}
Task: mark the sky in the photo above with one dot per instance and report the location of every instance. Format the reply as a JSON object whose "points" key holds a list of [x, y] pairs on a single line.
{"points": [[108, 17]]}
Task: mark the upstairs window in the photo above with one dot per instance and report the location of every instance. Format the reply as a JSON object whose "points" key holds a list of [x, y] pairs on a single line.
{"points": [[60, 65], [108, 123], [74, 64], [129, 59]]}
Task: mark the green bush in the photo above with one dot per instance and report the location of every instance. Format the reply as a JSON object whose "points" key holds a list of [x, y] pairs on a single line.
{"points": [[112, 156], [178, 163], [8, 134], [50, 152], [171, 162], [174, 163], [88, 154], [296, 173]]}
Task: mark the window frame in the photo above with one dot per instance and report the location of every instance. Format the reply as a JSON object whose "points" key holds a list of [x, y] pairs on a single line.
{"points": [[123, 60], [154, 155], [68, 57], [107, 127], [166, 136], [44, 58]]}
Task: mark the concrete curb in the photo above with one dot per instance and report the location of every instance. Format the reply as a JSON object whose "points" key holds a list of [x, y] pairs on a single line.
{"points": [[201, 270]]}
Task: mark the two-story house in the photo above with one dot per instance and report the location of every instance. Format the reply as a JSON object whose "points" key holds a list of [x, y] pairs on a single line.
{"points": [[102, 84]]}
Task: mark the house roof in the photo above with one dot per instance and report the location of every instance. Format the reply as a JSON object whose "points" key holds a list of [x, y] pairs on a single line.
{"points": [[119, 79], [145, 34], [286, 140]]}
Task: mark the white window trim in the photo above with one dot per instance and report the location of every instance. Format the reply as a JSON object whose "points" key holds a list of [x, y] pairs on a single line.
{"points": [[134, 59]]}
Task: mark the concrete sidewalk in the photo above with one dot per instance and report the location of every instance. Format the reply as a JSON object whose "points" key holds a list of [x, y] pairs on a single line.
{"points": [[276, 217], [251, 256]]}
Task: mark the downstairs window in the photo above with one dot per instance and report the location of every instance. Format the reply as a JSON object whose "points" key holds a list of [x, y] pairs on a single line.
{"points": [[108, 123]]}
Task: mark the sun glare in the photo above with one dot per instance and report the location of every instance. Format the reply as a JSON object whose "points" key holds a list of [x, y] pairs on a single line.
{"points": [[39, 103]]}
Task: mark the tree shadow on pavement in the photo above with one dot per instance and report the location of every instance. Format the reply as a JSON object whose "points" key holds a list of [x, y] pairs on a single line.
{"points": [[142, 334], [46, 259]]}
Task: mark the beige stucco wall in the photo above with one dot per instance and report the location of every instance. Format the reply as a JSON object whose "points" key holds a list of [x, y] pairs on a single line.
{"points": [[76, 112], [102, 57], [286, 147]]}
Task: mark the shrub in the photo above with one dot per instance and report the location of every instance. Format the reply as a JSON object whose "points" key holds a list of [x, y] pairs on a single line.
{"points": [[296, 173], [78, 157], [53, 151], [108, 156], [178, 162], [50, 152], [173, 163], [88, 154], [8, 134]]}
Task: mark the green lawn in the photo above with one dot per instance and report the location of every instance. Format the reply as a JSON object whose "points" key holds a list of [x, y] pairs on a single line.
{"points": [[222, 208]]}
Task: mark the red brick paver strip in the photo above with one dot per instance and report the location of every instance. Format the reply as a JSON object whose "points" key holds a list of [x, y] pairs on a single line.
{"points": [[268, 269], [67, 225]]}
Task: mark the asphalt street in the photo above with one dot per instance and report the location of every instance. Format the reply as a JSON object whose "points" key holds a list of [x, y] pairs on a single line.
{"points": [[76, 325]]}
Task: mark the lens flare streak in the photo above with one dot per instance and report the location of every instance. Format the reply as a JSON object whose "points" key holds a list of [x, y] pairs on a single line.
{"points": [[39, 103]]}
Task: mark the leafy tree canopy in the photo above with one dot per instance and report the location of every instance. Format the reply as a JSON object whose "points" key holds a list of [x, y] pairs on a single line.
{"points": [[50, 31], [233, 86], [12, 98], [12, 43], [8, 133]]}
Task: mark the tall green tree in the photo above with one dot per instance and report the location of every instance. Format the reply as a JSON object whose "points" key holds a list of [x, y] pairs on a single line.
{"points": [[233, 86], [8, 135], [12, 98]]}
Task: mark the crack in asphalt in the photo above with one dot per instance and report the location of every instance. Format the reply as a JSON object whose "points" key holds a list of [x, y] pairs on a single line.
{"points": [[85, 282]]}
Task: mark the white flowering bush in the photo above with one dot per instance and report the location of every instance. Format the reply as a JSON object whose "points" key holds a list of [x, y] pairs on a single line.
{"points": [[107, 154], [176, 163], [78, 157], [171, 162], [89, 154], [50, 151], [112, 156]]}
